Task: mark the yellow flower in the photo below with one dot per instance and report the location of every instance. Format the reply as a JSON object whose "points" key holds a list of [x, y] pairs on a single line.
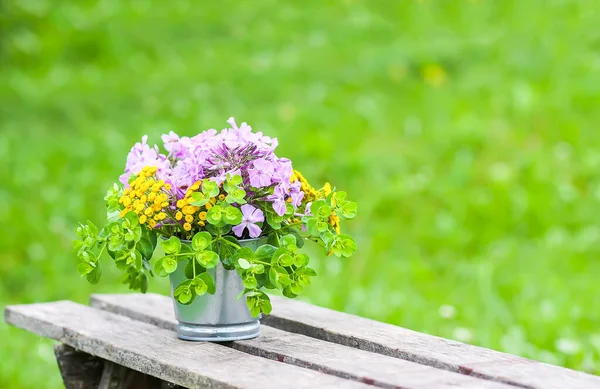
{"points": [[327, 189], [202, 215], [152, 170], [189, 218], [195, 186], [162, 216], [208, 206], [156, 207], [181, 203], [188, 210], [126, 191], [139, 193], [144, 199], [132, 195], [221, 197], [145, 186], [151, 197], [149, 211], [139, 208], [334, 220], [143, 219], [155, 188], [165, 204], [187, 226], [201, 223], [145, 169], [152, 223], [179, 215], [168, 186]]}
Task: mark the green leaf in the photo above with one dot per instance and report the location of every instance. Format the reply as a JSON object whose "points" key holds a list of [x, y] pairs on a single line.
{"points": [[183, 292], [349, 209], [132, 218], [285, 260], [316, 206], [274, 278], [137, 259], [265, 252], [77, 244], [250, 281], [324, 212], [208, 259], [208, 280], [93, 277], [244, 264], [289, 240], [215, 215], [228, 253], [301, 260], [200, 286], [143, 283], [327, 237], [232, 215], [84, 268], [296, 288], [299, 239], [201, 241], [158, 268], [200, 199], [171, 245], [169, 264], [340, 197], [145, 247], [274, 220], [210, 188], [235, 179], [322, 226]]}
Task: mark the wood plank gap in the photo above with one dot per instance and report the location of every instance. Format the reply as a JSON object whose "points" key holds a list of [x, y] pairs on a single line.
{"points": [[371, 368], [157, 352]]}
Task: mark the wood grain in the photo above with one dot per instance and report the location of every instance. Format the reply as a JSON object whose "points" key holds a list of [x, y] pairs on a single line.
{"points": [[386, 339], [365, 334], [154, 351], [359, 365]]}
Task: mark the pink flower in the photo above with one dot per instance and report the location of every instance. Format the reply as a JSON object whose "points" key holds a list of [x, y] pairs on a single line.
{"points": [[260, 175], [250, 216]]}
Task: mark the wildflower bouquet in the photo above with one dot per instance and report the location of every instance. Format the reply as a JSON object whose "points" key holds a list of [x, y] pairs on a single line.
{"points": [[199, 200]]}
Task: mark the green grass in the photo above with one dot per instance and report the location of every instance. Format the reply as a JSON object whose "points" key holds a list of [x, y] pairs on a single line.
{"points": [[466, 130]]}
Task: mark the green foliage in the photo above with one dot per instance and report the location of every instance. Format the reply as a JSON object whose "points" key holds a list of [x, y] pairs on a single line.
{"points": [[129, 245], [478, 193]]}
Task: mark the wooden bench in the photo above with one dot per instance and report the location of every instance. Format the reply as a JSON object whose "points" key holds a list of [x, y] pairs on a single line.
{"points": [[128, 341]]}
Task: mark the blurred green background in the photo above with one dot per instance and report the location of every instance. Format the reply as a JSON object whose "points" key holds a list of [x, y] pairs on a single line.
{"points": [[466, 130]]}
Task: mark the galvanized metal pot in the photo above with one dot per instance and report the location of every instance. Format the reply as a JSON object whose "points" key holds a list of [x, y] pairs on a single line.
{"points": [[219, 317]]}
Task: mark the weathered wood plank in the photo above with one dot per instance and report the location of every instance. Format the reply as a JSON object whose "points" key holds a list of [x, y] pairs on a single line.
{"points": [[365, 334], [157, 352], [364, 366], [386, 339], [79, 370]]}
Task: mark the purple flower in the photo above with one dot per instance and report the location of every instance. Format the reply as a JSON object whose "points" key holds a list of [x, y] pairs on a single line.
{"points": [[250, 216], [143, 155], [278, 199], [260, 175]]}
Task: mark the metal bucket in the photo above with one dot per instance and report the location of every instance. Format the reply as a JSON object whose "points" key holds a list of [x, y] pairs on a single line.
{"points": [[219, 317]]}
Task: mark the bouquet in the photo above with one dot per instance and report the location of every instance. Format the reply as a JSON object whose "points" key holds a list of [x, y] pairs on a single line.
{"points": [[199, 200]]}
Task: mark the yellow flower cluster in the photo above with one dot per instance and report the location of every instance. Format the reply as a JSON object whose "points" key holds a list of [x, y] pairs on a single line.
{"points": [[146, 198], [334, 220], [190, 213], [311, 194]]}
